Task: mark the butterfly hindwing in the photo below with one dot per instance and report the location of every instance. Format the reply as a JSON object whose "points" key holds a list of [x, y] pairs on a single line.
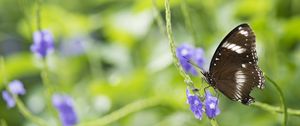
{"points": [[233, 68]]}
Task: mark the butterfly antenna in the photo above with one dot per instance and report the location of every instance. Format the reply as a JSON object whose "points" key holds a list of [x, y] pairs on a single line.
{"points": [[195, 65]]}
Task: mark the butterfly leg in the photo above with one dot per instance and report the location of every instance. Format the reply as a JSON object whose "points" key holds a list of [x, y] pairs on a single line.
{"points": [[215, 90], [206, 87], [217, 93]]}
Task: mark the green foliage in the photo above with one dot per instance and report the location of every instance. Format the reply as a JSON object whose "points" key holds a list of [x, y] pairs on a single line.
{"points": [[127, 61]]}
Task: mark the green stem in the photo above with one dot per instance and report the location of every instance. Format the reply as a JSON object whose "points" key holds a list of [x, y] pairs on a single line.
{"points": [[188, 21], [95, 69], [270, 108], [186, 77], [46, 82], [283, 104], [23, 5], [213, 122], [38, 14], [49, 90], [24, 111], [126, 110], [3, 123], [45, 77], [45, 72], [158, 18], [3, 70]]}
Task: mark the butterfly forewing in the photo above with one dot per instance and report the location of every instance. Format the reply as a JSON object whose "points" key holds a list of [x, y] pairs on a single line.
{"points": [[233, 68]]}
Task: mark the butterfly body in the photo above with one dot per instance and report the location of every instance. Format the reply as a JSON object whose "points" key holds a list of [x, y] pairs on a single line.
{"points": [[233, 68]]}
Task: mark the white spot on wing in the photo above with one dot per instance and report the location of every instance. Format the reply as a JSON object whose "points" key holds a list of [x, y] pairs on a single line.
{"points": [[240, 79], [241, 50], [231, 46], [235, 48], [243, 65], [243, 32], [225, 44]]}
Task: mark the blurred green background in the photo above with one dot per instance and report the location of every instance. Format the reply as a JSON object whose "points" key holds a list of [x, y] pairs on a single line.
{"points": [[110, 53]]}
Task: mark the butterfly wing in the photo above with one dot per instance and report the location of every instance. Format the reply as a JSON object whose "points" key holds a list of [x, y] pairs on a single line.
{"points": [[234, 67]]}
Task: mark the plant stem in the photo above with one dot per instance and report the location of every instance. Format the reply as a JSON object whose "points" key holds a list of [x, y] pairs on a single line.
{"points": [[188, 21], [46, 82], [3, 123], [45, 77], [45, 72], [2, 65], [23, 5], [49, 89], [283, 104], [171, 41], [213, 122], [276, 109], [24, 111], [186, 77], [126, 110], [95, 69], [38, 14], [158, 18]]}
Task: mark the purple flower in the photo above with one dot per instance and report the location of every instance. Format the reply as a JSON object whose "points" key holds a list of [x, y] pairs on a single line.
{"points": [[73, 47], [8, 99], [211, 105], [16, 87], [195, 104], [64, 105], [185, 53], [42, 43]]}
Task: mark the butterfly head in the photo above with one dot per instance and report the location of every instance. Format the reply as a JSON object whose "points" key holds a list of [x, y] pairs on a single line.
{"points": [[208, 79]]}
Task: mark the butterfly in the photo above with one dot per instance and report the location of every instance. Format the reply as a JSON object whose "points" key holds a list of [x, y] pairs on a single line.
{"points": [[233, 68]]}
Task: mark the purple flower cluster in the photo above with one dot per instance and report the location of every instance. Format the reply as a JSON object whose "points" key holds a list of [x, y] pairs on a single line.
{"points": [[211, 105], [195, 104], [8, 99], [15, 88], [42, 43], [73, 47], [64, 105], [186, 53]]}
